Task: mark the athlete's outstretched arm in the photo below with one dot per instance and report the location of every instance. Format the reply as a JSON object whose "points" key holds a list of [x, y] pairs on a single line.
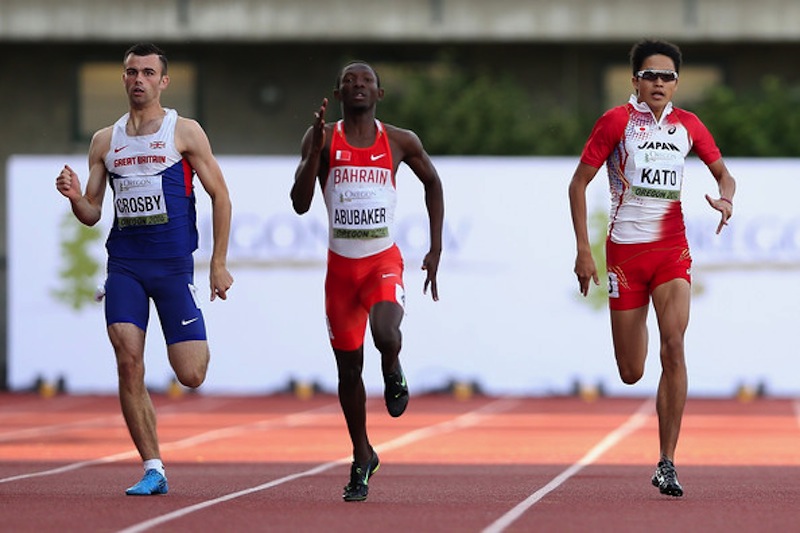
{"points": [[308, 169], [420, 163], [727, 188], [585, 267], [193, 144], [88, 207]]}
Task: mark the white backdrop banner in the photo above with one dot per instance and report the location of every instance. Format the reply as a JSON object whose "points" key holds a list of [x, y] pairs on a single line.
{"points": [[510, 317]]}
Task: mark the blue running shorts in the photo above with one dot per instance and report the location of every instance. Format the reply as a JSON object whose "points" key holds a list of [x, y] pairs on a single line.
{"points": [[131, 283]]}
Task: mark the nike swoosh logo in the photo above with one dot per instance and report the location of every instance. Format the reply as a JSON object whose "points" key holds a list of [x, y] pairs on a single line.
{"points": [[187, 322], [376, 157], [403, 384], [121, 148], [388, 275]]}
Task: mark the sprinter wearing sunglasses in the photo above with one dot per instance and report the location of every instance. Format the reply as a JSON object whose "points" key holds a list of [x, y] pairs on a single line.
{"points": [[643, 145]]}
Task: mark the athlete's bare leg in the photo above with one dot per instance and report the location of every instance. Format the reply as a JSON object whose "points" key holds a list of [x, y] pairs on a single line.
{"points": [[189, 360], [629, 332], [671, 302], [137, 408], [353, 399], [384, 320]]}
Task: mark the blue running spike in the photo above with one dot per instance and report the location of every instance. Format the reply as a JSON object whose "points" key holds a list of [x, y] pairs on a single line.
{"points": [[153, 482]]}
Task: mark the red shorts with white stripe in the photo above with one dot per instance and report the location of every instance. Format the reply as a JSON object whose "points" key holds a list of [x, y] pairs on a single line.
{"points": [[634, 270], [353, 286]]}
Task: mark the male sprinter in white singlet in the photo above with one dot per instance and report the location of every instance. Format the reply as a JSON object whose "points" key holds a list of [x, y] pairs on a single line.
{"points": [[644, 145], [149, 158], [355, 162]]}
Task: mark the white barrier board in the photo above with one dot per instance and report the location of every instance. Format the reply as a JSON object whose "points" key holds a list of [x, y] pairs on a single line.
{"points": [[510, 317]]}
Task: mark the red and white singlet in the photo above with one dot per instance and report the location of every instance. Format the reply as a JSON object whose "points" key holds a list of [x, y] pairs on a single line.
{"points": [[645, 161], [361, 195]]}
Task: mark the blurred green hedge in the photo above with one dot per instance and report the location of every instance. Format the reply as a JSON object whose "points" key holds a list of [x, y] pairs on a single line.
{"points": [[455, 113]]}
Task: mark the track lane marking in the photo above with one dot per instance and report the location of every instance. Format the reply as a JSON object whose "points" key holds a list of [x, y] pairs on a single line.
{"points": [[634, 422], [111, 421], [465, 420], [291, 420]]}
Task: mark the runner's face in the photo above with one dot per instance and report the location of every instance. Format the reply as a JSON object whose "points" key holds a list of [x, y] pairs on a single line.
{"points": [[656, 93], [358, 87], [142, 78]]}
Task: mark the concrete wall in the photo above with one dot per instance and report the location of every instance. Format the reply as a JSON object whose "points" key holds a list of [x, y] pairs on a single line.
{"points": [[390, 20]]}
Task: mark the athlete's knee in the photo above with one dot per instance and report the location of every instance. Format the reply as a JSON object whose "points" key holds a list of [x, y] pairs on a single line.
{"points": [[349, 371], [672, 354], [130, 369], [130, 360], [349, 376], [387, 337], [630, 373], [189, 360], [630, 377], [385, 319], [388, 342], [128, 343], [192, 378], [194, 374]]}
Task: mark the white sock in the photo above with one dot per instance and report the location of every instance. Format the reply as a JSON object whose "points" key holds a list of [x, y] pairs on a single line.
{"points": [[155, 464]]}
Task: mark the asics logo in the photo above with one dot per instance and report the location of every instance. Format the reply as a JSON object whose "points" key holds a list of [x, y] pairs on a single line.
{"points": [[187, 322], [376, 157]]}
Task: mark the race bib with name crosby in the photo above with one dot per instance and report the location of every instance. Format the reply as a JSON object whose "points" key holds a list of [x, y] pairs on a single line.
{"points": [[139, 201]]}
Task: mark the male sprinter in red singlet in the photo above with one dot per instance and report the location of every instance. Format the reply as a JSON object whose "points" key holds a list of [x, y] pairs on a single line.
{"points": [[355, 161], [149, 158], [643, 145]]}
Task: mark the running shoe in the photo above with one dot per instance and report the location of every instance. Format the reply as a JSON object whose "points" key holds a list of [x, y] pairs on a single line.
{"points": [[395, 392], [357, 489], [666, 479], [153, 482]]}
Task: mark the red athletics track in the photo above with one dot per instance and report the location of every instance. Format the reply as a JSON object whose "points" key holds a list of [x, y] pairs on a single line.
{"points": [[278, 463]]}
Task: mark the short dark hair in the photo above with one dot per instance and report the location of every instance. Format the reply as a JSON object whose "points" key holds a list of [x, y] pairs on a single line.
{"points": [[147, 49], [650, 47], [356, 62]]}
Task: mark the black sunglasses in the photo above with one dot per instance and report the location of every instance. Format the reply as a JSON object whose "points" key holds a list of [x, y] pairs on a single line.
{"points": [[653, 75]]}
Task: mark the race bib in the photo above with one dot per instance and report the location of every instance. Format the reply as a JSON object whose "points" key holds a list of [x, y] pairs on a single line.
{"points": [[139, 201], [659, 175], [360, 212]]}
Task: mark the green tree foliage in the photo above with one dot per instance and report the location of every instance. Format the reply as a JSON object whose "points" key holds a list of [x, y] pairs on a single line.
{"points": [[764, 122], [80, 268], [455, 113]]}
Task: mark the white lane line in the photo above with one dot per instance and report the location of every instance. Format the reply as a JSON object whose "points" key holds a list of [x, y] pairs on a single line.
{"points": [[111, 421], [42, 431], [633, 423], [469, 419], [292, 420]]}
